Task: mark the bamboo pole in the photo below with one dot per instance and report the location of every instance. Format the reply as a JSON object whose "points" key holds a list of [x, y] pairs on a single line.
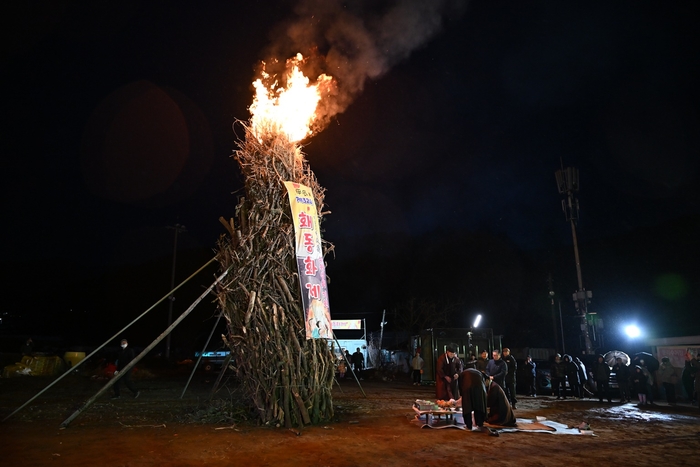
{"points": [[145, 351], [196, 365], [111, 338], [349, 365]]}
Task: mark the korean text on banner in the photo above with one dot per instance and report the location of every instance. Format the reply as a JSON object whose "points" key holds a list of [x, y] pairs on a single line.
{"points": [[309, 253]]}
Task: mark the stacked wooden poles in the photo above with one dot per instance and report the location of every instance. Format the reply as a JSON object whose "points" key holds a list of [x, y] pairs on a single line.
{"points": [[287, 378]]}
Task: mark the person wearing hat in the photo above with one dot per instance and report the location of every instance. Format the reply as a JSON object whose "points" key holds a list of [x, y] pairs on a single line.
{"points": [[448, 371], [666, 375]]}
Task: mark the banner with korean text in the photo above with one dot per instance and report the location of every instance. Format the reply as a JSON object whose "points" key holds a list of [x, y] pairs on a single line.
{"points": [[309, 253], [346, 324]]}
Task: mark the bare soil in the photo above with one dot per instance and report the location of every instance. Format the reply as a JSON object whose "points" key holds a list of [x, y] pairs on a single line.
{"points": [[376, 428]]}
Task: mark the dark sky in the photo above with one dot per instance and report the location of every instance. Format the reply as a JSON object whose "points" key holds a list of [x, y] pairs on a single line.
{"points": [[440, 171]]}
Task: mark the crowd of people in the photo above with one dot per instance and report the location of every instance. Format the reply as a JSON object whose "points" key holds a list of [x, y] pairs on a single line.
{"points": [[646, 380]]}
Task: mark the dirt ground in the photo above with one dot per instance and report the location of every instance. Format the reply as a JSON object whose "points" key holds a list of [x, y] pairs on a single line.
{"points": [[160, 429]]}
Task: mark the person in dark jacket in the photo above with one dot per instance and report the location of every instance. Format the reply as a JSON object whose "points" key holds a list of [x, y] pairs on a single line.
{"points": [[125, 356], [558, 376], [358, 363], [666, 375], [531, 376], [27, 348], [601, 375], [473, 391], [482, 361], [688, 378], [572, 376], [500, 412], [512, 366], [497, 369], [639, 384], [622, 375]]}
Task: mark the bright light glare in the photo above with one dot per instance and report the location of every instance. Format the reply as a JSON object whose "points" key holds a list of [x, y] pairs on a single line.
{"points": [[477, 321], [632, 331]]}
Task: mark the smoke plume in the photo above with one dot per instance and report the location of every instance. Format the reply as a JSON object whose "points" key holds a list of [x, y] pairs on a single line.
{"points": [[354, 41]]}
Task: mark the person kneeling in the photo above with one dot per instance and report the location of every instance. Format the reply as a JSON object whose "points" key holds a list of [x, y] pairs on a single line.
{"points": [[500, 411]]}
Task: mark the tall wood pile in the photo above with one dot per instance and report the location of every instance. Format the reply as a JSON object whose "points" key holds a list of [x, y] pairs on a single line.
{"points": [[287, 378]]}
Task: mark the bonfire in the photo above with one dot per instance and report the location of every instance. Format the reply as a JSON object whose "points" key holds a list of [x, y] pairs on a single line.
{"points": [[286, 376]]}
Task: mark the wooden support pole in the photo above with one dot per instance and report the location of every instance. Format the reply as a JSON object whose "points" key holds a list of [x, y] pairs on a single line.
{"points": [[145, 351], [111, 339], [196, 365]]}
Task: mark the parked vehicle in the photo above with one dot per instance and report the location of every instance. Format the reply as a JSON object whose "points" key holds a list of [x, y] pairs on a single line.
{"points": [[213, 359]]}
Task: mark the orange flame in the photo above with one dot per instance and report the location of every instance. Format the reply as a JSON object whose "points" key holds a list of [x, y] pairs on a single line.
{"points": [[290, 109]]}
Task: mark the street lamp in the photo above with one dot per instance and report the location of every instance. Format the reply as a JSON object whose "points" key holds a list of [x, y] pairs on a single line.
{"points": [[477, 321], [632, 331]]}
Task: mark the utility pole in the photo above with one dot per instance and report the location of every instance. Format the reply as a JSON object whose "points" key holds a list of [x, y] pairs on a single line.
{"points": [[381, 336], [568, 184], [550, 281], [177, 228]]}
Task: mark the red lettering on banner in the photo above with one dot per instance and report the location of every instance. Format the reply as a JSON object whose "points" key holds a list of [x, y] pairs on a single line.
{"points": [[305, 221], [314, 290], [309, 242], [310, 268]]}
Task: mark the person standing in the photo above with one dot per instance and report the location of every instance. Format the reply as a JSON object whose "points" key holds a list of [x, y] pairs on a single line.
{"points": [[601, 375], [358, 362], [497, 369], [558, 375], [512, 367], [470, 361], [667, 377], [622, 375], [417, 368], [27, 348], [688, 377], [482, 361], [572, 376], [582, 376], [341, 368], [639, 384], [531, 376], [446, 374], [125, 356], [695, 363], [650, 382]]}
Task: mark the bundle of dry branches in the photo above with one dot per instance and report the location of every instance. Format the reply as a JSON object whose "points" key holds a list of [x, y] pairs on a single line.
{"points": [[287, 378]]}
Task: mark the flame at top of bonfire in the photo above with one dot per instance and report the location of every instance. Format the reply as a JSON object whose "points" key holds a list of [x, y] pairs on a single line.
{"points": [[291, 108]]}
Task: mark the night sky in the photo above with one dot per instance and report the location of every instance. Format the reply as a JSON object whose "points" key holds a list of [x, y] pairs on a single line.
{"points": [[439, 167]]}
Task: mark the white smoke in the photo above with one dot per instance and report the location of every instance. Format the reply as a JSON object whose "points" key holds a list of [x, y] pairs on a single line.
{"points": [[354, 41]]}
